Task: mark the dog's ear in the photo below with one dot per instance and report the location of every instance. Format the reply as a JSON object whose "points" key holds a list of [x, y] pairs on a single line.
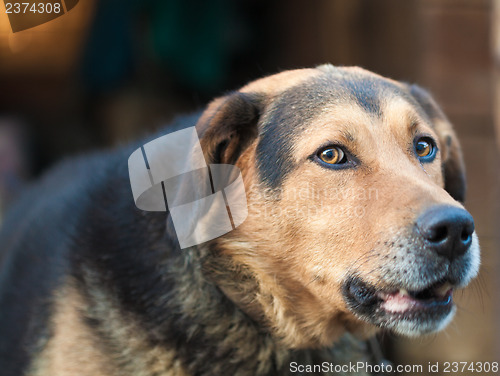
{"points": [[452, 159], [228, 126]]}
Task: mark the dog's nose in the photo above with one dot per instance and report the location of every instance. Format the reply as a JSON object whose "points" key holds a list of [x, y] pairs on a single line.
{"points": [[447, 230]]}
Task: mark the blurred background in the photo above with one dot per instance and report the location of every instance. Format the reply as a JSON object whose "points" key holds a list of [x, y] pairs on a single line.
{"points": [[109, 71]]}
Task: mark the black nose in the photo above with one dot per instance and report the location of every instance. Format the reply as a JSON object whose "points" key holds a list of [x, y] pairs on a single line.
{"points": [[447, 230]]}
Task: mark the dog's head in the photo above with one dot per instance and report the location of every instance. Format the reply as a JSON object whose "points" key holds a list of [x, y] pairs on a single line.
{"points": [[354, 187]]}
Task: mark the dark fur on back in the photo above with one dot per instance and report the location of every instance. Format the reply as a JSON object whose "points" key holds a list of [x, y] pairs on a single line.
{"points": [[79, 226]]}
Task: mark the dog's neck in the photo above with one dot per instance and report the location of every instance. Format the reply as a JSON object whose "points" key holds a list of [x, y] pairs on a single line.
{"points": [[254, 341], [191, 302]]}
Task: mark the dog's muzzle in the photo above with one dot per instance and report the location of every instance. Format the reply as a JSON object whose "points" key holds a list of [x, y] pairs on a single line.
{"points": [[414, 293]]}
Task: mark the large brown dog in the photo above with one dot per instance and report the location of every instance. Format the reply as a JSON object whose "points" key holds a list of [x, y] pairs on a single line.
{"points": [[354, 184]]}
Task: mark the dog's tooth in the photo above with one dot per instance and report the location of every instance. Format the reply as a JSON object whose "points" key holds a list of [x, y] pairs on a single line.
{"points": [[441, 291], [403, 292]]}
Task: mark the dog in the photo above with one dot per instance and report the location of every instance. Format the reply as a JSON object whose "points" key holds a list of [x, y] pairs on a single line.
{"points": [[354, 186]]}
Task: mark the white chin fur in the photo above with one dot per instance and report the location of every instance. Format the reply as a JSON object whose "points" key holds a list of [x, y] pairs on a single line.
{"points": [[475, 260], [416, 329]]}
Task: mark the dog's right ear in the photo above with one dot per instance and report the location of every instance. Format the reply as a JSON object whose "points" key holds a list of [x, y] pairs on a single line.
{"points": [[229, 125]]}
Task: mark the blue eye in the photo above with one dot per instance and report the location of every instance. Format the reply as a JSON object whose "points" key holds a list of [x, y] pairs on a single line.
{"points": [[425, 148]]}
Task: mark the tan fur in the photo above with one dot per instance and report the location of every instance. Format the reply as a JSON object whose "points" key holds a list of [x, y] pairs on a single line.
{"points": [[74, 350], [278, 83]]}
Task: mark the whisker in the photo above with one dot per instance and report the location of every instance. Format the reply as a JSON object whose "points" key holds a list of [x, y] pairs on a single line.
{"points": [[361, 257]]}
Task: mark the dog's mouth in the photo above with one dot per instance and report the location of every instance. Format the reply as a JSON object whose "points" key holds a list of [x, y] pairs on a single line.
{"points": [[406, 311], [405, 301]]}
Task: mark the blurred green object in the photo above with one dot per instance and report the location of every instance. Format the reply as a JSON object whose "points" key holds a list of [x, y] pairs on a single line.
{"points": [[192, 43], [193, 39]]}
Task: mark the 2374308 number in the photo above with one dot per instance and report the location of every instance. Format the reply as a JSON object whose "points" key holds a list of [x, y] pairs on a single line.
{"points": [[46, 8], [462, 367]]}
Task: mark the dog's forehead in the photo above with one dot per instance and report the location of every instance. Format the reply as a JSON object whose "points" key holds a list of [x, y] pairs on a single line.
{"points": [[299, 104], [293, 110]]}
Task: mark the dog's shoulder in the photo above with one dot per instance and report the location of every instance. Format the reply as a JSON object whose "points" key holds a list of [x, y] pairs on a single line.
{"points": [[71, 214], [38, 233]]}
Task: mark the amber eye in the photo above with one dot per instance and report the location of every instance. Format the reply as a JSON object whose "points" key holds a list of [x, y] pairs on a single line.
{"points": [[332, 155], [425, 148]]}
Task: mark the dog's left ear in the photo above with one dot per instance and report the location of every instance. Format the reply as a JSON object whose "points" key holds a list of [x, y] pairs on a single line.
{"points": [[228, 126], [452, 159]]}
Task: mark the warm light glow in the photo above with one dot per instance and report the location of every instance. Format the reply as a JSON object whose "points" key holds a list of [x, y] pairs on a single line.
{"points": [[48, 48], [5, 29]]}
